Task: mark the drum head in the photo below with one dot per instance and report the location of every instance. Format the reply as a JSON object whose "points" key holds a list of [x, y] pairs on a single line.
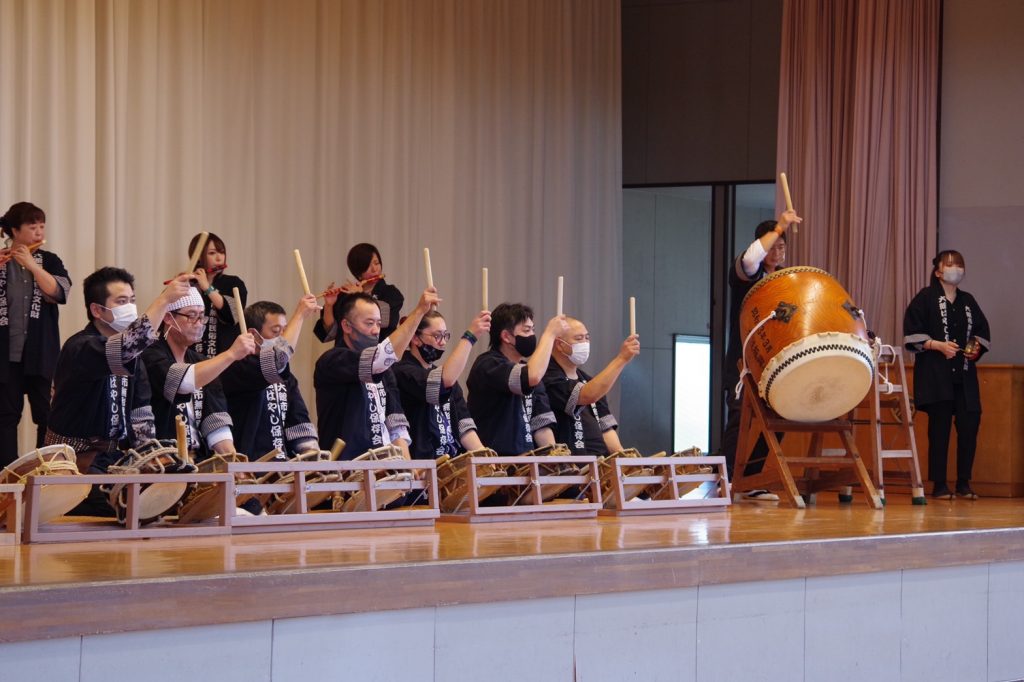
{"points": [[158, 498], [57, 500], [818, 378]]}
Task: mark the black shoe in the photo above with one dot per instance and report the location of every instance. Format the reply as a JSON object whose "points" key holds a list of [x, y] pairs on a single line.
{"points": [[963, 490], [941, 491]]}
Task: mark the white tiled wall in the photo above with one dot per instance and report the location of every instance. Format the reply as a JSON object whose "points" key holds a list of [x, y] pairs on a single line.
{"points": [[959, 623]]}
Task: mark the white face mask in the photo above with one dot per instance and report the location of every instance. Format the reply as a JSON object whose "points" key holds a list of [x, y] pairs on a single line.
{"points": [[952, 274], [124, 315], [580, 353]]}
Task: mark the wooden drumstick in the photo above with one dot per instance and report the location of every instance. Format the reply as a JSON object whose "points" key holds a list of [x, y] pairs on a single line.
{"points": [[561, 281], [239, 310], [789, 198], [426, 264], [632, 315], [302, 273], [336, 449], [200, 245], [183, 454], [485, 289]]}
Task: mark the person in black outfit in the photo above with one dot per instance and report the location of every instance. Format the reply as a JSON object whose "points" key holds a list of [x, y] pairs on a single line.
{"points": [[266, 406], [507, 397], [32, 285], [765, 255], [439, 419], [585, 422], [357, 397], [216, 287], [947, 332], [365, 264], [101, 394]]}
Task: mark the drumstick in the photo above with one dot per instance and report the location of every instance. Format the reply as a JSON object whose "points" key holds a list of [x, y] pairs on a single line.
{"points": [[485, 289], [336, 449], [182, 442], [239, 310], [302, 272], [632, 315], [561, 280], [426, 264], [789, 198], [200, 245]]}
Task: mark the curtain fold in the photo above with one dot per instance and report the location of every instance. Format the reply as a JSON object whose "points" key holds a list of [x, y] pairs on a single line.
{"points": [[858, 121], [487, 131]]}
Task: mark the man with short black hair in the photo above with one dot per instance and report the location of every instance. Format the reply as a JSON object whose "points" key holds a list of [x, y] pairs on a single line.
{"points": [[506, 393], [101, 392], [264, 399], [357, 397]]}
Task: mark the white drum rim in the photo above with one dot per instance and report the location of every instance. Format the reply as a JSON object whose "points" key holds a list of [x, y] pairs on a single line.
{"points": [[860, 348]]}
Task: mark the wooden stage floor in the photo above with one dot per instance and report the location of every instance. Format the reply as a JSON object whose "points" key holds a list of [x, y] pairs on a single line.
{"points": [[57, 590]]}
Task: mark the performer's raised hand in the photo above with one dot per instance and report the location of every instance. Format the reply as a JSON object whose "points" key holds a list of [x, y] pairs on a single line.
{"points": [[630, 348], [243, 345], [481, 324], [787, 218], [307, 307]]}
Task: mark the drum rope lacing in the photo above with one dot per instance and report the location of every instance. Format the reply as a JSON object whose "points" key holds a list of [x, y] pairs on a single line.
{"points": [[746, 370], [45, 468]]}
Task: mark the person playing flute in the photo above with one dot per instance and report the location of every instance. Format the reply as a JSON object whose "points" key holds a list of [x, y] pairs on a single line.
{"points": [[215, 285], [365, 264]]}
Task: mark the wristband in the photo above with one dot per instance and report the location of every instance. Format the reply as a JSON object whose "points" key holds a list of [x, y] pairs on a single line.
{"points": [[469, 336], [210, 290]]}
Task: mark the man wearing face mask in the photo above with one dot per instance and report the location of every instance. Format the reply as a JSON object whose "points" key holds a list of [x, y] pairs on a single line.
{"points": [[765, 255], [947, 332], [264, 401], [506, 393], [357, 397], [585, 422], [186, 383], [439, 418], [101, 398]]}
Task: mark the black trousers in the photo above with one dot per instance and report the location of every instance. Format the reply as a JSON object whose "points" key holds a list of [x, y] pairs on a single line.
{"points": [[941, 417], [12, 404], [731, 434]]}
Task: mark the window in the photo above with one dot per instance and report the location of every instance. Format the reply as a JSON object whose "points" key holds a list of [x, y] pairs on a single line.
{"points": [[692, 386]]}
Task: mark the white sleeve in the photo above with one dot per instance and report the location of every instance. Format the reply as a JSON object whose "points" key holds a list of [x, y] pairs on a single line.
{"points": [[217, 435], [384, 357], [188, 382], [753, 257]]}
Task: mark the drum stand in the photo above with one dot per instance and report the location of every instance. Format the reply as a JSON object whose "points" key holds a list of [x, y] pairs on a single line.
{"points": [[844, 469]]}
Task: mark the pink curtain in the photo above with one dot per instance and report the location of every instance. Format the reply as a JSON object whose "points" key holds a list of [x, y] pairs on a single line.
{"points": [[858, 120]]}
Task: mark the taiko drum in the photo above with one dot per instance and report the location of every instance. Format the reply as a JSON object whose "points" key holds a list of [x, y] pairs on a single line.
{"points": [[812, 362]]}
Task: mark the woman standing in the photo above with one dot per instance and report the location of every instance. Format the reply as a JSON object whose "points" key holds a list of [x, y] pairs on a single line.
{"points": [[216, 286], [33, 282], [947, 331], [364, 262]]}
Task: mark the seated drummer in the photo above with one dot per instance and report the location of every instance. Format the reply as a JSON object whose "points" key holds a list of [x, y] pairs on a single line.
{"points": [[264, 401], [101, 392], [506, 393], [186, 383], [357, 397], [439, 418], [765, 255], [585, 422]]}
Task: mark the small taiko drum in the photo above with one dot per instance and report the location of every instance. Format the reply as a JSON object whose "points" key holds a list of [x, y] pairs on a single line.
{"points": [[813, 361], [606, 468], [453, 481], [548, 491], [52, 460], [155, 499], [389, 453], [284, 503], [203, 502]]}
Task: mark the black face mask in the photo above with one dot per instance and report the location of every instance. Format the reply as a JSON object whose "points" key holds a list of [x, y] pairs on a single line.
{"points": [[430, 354], [525, 345]]}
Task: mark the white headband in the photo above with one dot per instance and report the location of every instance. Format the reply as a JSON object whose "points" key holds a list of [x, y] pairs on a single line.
{"points": [[191, 298]]}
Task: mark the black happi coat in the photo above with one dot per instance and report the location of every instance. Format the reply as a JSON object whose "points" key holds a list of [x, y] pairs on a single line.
{"points": [[931, 315], [222, 327], [42, 342], [266, 406], [579, 426], [506, 409], [438, 416], [389, 300]]}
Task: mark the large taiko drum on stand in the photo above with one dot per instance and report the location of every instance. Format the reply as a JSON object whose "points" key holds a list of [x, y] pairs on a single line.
{"points": [[812, 362]]}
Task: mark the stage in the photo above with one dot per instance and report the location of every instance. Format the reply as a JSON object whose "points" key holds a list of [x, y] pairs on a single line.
{"points": [[76, 594]]}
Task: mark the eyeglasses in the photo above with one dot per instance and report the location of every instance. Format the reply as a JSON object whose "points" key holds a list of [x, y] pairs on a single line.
{"points": [[192, 319], [439, 337]]}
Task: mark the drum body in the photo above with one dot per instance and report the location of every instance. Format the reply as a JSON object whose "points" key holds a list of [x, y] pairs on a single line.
{"points": [[203, 502], [453, 483], [812, 362], [356, 501], [284, 503], [155, 499], [52, 460], [606, 467]]}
